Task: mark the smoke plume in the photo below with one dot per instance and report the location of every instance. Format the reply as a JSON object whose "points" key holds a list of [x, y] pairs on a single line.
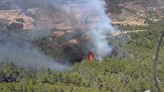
{"points": [[17, 47], [85, 17], [91, 18]]}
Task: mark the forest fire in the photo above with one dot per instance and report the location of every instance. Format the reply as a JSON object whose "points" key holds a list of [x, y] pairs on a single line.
{"points": [[72, 46], [91, 27], [90, 56], [86, 21]]}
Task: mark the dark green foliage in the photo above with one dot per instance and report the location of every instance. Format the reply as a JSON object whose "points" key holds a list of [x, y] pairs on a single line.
{"points": [[113, 6], [129, 71], [10, 73]]}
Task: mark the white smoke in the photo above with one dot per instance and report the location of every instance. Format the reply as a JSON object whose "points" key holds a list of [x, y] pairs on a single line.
{"points": [[16, 47], [28, 57], [91, 14], [88, 14]]}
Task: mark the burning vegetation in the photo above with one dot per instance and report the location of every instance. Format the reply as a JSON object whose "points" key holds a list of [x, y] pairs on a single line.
{"points": [[48, 45], [84, 24]]}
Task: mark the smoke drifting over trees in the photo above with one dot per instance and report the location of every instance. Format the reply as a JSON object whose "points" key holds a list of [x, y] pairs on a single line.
{"points": [[87, 15]]}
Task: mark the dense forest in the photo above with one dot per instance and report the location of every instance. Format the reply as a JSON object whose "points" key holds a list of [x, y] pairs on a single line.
{"points": [[129, 70]]}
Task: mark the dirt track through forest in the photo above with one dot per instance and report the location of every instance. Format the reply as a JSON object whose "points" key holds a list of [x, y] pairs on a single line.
{"points": [[126, 32]]}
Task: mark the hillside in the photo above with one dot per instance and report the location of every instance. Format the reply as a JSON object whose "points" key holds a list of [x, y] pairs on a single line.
{"points": [[65, 46], [130, 70], [136, 12], [122, 12]]}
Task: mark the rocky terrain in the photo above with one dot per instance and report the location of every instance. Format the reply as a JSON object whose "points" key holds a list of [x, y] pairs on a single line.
{"points": [[137, 12], [125, 12]]}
